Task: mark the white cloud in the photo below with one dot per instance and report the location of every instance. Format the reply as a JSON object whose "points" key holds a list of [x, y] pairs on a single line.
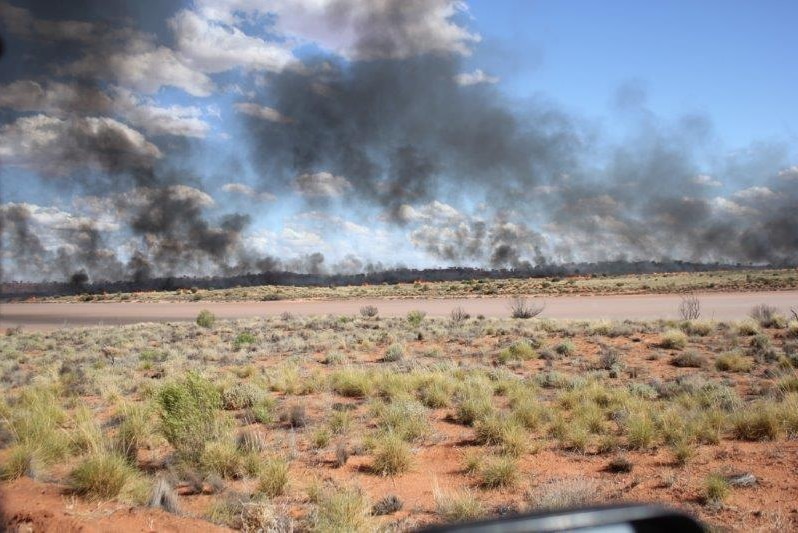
{"points": [[790, 173], [214, 46], [143, 66], [355, 29], [61, 99], [435, 210], [706, 181], [249, 192], [262, 112], [321, 184], [54, 218], [731, 207], [475, 78], [755, 193], [299, 238], [57, 146]]}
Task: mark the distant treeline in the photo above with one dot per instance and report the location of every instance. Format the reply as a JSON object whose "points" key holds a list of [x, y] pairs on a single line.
{"points": [[80, 285]]}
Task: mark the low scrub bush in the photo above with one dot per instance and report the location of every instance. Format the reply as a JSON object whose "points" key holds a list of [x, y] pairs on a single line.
{"points": [[498, 472], [101, 476], [188, 411], [564, 494], [733, 362], [240, 396], [392, 455], [768, 316], [395, 352], [458, 506], [273, 478], [673, 339], [369, 311], [716, 489], [689, 359], [352, 383], [518, 351], [415, 317], [340, 510], [758, 421], [206, 319]]}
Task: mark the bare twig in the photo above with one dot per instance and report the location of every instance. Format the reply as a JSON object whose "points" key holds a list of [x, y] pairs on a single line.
{"points": [[690, 308], [520, 308]]}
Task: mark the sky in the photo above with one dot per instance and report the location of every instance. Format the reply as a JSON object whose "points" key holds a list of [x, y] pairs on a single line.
{"points": [[213, 137]]}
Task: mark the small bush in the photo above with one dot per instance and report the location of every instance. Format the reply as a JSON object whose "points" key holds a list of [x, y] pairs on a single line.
{"points": [[101, 476], [689, 359], [458, 316], [395, 352], [564, 494], [188, 410], [747, 328], [240, 396], [520, 308], [407, 419], [518, 351], [388, 505], [759, 421], [415, 317], [392, 455], [273, 479], [459, 506], [223, 459], [340, 510], [768, 316], [473, 407], [620, 465], [334, 358], [133, 432], [243, 339], [640, 432], [369, 311], [295, 416], [673, 339], [565, 348], [498, 472], [206, 319], [21, 461], [733, 362], [352, 383], [716, 489]]}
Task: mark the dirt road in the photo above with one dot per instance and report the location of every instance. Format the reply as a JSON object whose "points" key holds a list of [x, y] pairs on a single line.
{"points": [[720, 306]]}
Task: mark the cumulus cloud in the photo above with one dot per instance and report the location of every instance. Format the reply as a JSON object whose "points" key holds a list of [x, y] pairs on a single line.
{"points": [[382, 29], [213, 46], [262, 112], [56, 146], [706, 181], [245, 190], [475, 78], [790, 173], [321, 184], [755, 193]]}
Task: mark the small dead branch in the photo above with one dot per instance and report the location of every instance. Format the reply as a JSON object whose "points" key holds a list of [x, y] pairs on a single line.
{"points": [[690, 307]]}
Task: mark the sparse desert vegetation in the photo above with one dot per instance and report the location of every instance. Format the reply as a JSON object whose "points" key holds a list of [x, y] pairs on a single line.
{"points": [[675, 282], [360, 423]]}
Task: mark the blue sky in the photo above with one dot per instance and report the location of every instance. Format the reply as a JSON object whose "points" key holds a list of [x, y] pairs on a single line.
{"points": [[207, 136]]}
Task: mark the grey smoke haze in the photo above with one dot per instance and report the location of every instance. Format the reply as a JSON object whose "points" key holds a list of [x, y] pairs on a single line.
{"points": [[386, 122]]}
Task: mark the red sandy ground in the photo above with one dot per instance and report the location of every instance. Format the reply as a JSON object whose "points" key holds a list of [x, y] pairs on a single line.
{"points": [[771, 505]]}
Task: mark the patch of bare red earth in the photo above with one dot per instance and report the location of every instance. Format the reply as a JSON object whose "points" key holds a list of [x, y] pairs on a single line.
{"points": [[30, 506]]}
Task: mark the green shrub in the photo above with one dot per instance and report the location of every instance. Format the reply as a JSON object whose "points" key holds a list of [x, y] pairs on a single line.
{"points": [[133, 432], [392, 455], [758, 421], [640, 432], [716, 489], [499, 472], [188, 409], [352, 383], [263, 411], [21, 461], [518, 351], [223, 459], [673, 339], [241, 396], [415, 317], [206, 319], [273, 479], [242, 339], [565, 348], [340, 510], [472, 407], [458, 506], [689, 359], [768, 316], [395, 352], [101, 476], [435, 393], [407, 419], [733, 362]]}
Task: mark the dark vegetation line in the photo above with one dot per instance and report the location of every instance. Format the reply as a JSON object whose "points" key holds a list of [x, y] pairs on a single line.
{"points": [[80, 284]]}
